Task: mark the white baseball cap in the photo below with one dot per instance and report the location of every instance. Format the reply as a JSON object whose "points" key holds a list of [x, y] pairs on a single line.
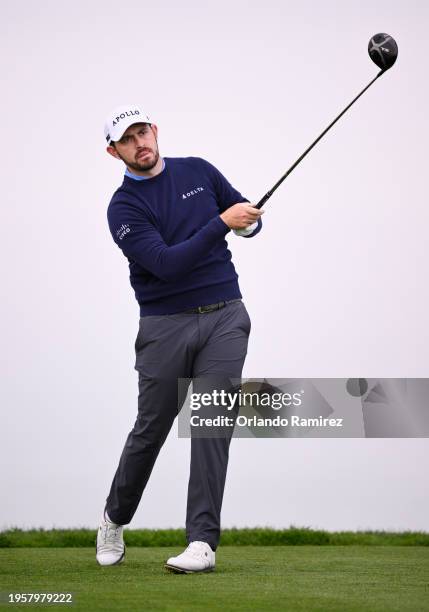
{"points": [[121, 118]]}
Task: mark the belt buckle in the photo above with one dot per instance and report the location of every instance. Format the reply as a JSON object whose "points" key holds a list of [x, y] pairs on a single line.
{"points": [[203, 309], [210, 307]]}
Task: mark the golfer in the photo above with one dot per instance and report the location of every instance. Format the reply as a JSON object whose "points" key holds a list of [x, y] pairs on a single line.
{"points": [[170, 217]]}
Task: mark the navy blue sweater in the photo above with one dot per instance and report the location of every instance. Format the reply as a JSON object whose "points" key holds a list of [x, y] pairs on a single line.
{"points": [[170, 230]]}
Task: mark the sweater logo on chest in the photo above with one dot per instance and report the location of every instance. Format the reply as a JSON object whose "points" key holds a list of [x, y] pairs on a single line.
{"points": [[191, 193]]}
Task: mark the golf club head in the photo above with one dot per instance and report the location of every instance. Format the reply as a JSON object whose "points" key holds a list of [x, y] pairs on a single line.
{"points": [[383, 50]]}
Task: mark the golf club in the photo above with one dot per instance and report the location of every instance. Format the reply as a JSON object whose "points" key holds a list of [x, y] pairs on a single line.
{"points": [[383, 51]]}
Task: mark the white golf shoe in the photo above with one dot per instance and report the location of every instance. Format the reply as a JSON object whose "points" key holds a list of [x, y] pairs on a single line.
{"points": [[110, 543], [198, 557]]}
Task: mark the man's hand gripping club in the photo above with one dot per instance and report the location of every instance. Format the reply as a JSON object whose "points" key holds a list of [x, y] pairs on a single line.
{"points": [[242, 218]]}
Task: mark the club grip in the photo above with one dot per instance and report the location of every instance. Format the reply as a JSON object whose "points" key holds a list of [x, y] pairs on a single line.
{"points": [[264, 199]]}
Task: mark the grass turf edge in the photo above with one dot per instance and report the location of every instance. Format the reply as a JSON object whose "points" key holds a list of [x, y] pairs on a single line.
{"points": [[256, 536]]}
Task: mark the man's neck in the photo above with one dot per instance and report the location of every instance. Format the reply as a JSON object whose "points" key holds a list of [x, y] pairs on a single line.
{"points": [[157, 169]]}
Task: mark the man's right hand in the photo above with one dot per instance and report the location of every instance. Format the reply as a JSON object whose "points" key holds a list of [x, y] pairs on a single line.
{"points": [[241, 215]]}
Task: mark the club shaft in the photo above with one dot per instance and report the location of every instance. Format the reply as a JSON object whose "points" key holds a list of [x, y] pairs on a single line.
{"points": [[269, 193]]}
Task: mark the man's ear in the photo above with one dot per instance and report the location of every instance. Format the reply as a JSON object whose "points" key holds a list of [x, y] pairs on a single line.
{"points": [[112, 151], [154, 130]]}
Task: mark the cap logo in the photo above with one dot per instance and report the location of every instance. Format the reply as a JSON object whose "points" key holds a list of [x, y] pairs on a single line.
{"points": [[126, 114]]}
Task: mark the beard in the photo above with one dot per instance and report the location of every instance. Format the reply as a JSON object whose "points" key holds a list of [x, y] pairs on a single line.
{"points": [[148, 163]]}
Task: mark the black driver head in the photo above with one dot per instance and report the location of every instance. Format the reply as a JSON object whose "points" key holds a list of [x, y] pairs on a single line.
{"points": [[383, 50]]}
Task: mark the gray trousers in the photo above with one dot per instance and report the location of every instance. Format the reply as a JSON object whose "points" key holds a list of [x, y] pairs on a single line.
{"points": [[169, 347]]}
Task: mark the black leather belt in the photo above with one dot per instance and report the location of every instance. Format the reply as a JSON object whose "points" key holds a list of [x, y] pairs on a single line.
{"points": [[209, 307]]}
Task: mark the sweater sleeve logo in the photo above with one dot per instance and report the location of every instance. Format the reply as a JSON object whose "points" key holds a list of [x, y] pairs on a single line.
{"points": [[122, 231]]}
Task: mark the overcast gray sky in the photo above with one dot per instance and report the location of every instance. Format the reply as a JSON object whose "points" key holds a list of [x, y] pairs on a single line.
{"points": [[336, 284]]}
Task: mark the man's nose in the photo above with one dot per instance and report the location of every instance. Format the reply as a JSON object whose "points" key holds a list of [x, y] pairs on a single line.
{"points": [[140, 140]]}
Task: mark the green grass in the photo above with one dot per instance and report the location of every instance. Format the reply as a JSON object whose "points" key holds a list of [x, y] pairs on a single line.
{"points": [[260, 578], [59, 538]]}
